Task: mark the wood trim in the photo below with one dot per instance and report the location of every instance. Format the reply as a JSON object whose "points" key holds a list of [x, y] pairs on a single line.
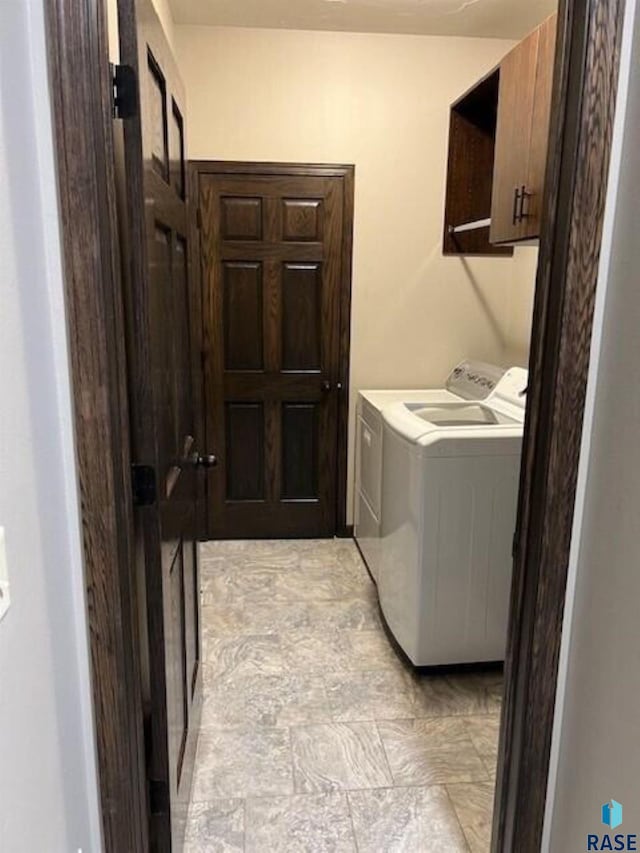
{"points": [[585, 86], [238, 167], [347, 172], [345, 349], [197, 326], [81, 95]]}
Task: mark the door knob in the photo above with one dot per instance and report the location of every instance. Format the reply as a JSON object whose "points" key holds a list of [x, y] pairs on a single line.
{"points": [[209, 460], [326, 386]]}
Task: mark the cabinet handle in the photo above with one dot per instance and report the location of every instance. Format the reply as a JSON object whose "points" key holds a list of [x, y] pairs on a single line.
{"points": [[524, 197], [516, 199]]}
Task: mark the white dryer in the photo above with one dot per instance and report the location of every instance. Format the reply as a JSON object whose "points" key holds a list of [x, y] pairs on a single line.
{"points": [[469, 380], [449, 490]]}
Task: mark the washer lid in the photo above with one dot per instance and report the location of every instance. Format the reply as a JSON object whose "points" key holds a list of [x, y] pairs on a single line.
{"points": [[474, 380], [461, 415], [445, 420]]}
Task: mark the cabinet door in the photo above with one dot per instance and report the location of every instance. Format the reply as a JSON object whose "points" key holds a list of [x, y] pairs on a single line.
{"points": [[513, 139], [532, 206]]}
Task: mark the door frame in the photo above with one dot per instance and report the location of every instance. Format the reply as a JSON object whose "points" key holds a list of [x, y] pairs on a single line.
{"points": [[199, 168], [587, 59], [582, 114], [81, 97]]}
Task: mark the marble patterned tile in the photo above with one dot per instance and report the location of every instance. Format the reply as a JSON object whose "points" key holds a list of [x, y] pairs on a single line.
{"points": [[312, 650], [405, 820], [247, 563], [494, 685], [281, 700], [474, 806], [345, 557], [484, 732], [231, 585], [244, 618], [353, 614], [291, 552], [239, 763], [383, 694], [311, 822], [325, 582], [211, 566], [491, 765], [238, 656], [465, 694], [338, 548], [293, 638], [431, 751], [338, 756], [363, 650], [256, 583], [215, 827]]}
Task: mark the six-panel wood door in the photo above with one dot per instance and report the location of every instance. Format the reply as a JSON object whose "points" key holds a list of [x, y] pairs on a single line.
{"points": [[161, 368], [271, 272]]}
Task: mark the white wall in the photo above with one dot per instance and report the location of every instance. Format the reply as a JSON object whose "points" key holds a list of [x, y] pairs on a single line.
{"points": [[596, 747], [48, 796], [380, 102], [163, 9], [519, 308]]}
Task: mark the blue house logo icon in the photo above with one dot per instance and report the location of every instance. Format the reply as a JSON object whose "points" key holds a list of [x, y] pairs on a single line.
{"points": [[612, 814]]}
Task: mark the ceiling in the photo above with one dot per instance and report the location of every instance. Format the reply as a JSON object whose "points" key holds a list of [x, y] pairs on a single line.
{"points": [[483, 18]]}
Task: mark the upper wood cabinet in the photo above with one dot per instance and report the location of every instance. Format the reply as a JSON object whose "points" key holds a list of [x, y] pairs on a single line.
{"points": [[522, 130], [472, 134]]}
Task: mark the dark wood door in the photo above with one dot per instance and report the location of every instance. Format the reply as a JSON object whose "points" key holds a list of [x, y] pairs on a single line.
{"points": [[165, 440], [272, 256]]}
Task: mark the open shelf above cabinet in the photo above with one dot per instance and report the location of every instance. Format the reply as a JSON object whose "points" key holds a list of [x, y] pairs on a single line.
{"points": [[470, 226], [472, 137], [498, 137]]}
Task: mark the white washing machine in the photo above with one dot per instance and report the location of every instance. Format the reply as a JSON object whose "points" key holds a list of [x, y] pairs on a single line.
{"points": [[449, 490], [469, 380]]}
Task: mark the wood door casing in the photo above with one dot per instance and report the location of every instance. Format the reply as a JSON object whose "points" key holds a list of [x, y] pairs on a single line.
{"points": [[165, 439], [273, 271], [582, 121], [81, 95]]}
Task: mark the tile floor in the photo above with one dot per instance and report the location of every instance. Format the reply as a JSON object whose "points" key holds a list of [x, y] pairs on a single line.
{"points": [[315, 735]]}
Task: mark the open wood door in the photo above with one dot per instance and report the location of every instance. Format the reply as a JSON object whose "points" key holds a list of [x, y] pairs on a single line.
{"points": [[166, 452]]}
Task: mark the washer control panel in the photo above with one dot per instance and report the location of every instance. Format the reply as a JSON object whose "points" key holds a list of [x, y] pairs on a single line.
{"points": [[474, 380], [512, 388]]}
